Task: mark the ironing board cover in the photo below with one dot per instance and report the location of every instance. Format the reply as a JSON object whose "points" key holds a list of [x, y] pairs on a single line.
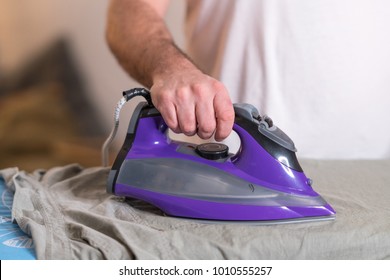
{"points": [[14, 243]]}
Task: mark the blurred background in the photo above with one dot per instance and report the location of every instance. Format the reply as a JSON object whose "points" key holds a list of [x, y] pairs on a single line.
{"points": [[59, 83]]}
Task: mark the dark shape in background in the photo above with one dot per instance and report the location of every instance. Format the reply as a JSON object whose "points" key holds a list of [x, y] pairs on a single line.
{"points": [[46, 118]]}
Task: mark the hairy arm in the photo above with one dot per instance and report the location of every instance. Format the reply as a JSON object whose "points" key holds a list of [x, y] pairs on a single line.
{"points": [[190, 101]]}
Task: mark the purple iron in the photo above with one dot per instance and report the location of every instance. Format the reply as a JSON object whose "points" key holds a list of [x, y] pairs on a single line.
{"points": [[262, 183]]}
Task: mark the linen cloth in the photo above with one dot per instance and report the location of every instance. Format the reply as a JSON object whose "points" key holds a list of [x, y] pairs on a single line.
{"points": [[69, 215]]}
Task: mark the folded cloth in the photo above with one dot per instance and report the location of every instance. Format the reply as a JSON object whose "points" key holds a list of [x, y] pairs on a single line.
{"points": [[69, 215]]}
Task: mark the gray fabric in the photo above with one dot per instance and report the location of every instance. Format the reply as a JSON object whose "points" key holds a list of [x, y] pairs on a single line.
{"points": [[70, 216]]}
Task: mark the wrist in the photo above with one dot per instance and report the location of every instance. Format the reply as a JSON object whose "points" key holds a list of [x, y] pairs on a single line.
{"points": [[177, 67]]}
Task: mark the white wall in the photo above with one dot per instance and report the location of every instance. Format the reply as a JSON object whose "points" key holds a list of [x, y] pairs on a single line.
{"points": [[27, 26]]}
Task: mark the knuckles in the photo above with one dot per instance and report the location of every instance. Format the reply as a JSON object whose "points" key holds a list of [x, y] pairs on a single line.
{"points": [[206, 129], [188, 129]]}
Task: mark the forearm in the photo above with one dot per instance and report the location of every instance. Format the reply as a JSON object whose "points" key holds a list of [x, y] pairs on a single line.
{"points": [[189, 101], [138, 37]]}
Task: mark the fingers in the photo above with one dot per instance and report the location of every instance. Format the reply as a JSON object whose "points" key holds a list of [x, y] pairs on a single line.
{"points": [[205, 117], [224, 115], [185, 109], [168, 112], [177, 108]]}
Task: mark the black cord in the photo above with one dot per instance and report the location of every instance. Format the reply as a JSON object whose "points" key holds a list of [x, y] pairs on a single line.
{"points": [[129, 94]]}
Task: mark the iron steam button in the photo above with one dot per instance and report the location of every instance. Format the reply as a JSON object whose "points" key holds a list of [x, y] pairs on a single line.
{"points": [[213, 151]]}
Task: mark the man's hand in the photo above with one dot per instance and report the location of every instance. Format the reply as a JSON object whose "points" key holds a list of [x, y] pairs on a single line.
{"points": [[194, 103]]}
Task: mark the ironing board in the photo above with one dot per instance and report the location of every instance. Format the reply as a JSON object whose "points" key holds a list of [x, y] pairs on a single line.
{"points": [[70, 216], [14, 243]]}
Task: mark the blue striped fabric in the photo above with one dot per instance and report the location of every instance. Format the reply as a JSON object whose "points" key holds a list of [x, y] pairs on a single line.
{"points": [[14, 243]]}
